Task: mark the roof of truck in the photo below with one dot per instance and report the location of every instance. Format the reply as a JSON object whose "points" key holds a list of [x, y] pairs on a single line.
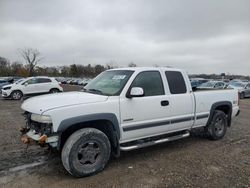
{"points": [[147, 68]]}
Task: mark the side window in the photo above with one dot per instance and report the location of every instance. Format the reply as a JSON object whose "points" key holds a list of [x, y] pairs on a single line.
{"points": [[248, 86], [43, 80], [151, 83], [30, 81], [176, 82], [219, 85]]}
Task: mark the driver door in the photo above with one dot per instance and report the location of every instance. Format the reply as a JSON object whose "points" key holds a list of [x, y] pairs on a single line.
{"points": [[30, 86], [146, 115]]}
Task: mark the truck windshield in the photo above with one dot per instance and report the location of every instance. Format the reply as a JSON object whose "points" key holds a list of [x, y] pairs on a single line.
{"points": [[109, 83]]}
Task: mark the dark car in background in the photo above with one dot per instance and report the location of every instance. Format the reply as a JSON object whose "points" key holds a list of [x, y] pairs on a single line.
{"points": [[242, 87], [3, 83]]}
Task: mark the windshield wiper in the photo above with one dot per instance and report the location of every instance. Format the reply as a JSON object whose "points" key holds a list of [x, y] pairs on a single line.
{"points": [[94, 91]]}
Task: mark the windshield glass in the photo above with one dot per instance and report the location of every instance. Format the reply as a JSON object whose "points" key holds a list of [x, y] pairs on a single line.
{"points": [[109, 82], [18, 81]]}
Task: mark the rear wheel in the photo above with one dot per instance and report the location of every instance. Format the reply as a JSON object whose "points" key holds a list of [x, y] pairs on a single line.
{"points": [[242, 95], [218, 126], [86, 152], [16, 95], [54, 90]]}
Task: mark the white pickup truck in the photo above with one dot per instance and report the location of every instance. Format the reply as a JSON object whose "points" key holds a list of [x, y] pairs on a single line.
{"points": [[125, 109]]}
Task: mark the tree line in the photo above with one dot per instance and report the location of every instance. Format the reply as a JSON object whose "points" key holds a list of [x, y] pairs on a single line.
{"points": [[32, 57], [30, 67], [16, 68]]}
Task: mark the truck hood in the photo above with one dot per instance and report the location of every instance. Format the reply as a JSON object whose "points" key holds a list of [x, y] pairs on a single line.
{"points": [[43, 103]]}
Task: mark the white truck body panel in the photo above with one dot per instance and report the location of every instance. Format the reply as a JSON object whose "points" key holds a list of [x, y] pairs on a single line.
{"points": [[137, 117]]}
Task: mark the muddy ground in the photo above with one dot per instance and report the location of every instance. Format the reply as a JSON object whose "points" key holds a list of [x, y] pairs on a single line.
{"points": [[191, 162]]}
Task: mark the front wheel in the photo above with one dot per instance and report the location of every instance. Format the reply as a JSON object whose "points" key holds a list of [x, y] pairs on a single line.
{"points": [[16, 95], [218, 126], [86, 152]]}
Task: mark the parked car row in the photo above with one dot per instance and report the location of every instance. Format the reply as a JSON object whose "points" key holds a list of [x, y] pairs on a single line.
{"points": [[31, 86], [74, 81], [243, 86]]}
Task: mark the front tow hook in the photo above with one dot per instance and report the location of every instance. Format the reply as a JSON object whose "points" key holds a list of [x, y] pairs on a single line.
{"points": [[24, 138]]}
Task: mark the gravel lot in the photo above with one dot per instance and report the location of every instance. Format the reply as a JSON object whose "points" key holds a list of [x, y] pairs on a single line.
{"points": [[191, 162]]}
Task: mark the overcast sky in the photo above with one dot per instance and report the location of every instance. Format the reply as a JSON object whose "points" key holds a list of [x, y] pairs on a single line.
{"points": [[201, 36]]}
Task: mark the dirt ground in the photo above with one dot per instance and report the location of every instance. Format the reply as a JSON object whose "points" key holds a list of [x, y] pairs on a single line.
{"points": [[191, 162]]}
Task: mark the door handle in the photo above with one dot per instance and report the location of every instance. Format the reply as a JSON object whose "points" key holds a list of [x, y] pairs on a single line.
{"points": [[164, 103]]}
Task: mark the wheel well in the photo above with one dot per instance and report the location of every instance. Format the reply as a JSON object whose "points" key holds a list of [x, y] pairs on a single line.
{"points": [[227, 109], [54, 88], [224, 108], [105, 126], [16, 90]]}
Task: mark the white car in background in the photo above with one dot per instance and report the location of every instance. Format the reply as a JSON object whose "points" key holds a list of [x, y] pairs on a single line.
{"points": [[213, 85], [31, 86]]}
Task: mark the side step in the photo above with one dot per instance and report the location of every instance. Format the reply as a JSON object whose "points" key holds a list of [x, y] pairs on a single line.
{"points": [[150, 142]]}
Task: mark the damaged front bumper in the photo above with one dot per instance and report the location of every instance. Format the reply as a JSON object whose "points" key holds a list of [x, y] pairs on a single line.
{"points": [[40, 139], [40, 132]]}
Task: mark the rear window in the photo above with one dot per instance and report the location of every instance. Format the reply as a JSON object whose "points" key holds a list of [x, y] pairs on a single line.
{"points": [[43, 80], [176, 82]]}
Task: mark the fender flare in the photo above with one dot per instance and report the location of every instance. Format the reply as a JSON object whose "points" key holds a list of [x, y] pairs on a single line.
{"points": [[218, 104], [65, 124]]}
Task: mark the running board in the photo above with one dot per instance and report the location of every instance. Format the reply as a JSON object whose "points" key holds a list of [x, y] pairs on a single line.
{"points": [[150, 143]]}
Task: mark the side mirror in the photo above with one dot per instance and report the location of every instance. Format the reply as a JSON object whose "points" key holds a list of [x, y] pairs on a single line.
{"points": [[26, 84], [136, 92]]}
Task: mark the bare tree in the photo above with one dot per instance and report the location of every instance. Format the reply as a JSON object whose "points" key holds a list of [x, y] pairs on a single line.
{"points": [[31, 57]]}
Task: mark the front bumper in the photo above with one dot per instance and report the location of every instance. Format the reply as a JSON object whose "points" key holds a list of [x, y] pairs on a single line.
{"points": [[31, 135], [5, 93], [41, 133]]}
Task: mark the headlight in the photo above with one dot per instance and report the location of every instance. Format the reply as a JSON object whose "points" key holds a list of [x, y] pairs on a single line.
{"points": [[41, 119], [6, 88]]}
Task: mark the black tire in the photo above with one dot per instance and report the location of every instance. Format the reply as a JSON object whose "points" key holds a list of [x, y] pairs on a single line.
{"points": [[218, 126], [16, 95], [242, 95], [86, 152], [54, 90]]}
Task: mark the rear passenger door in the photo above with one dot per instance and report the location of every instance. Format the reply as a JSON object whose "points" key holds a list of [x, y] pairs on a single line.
{"points": [[43, 85], [181, 101]]}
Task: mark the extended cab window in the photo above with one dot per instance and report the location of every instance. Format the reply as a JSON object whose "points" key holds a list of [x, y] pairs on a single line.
{"points": [[176, 82], [150, 82], [43, 80]]}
